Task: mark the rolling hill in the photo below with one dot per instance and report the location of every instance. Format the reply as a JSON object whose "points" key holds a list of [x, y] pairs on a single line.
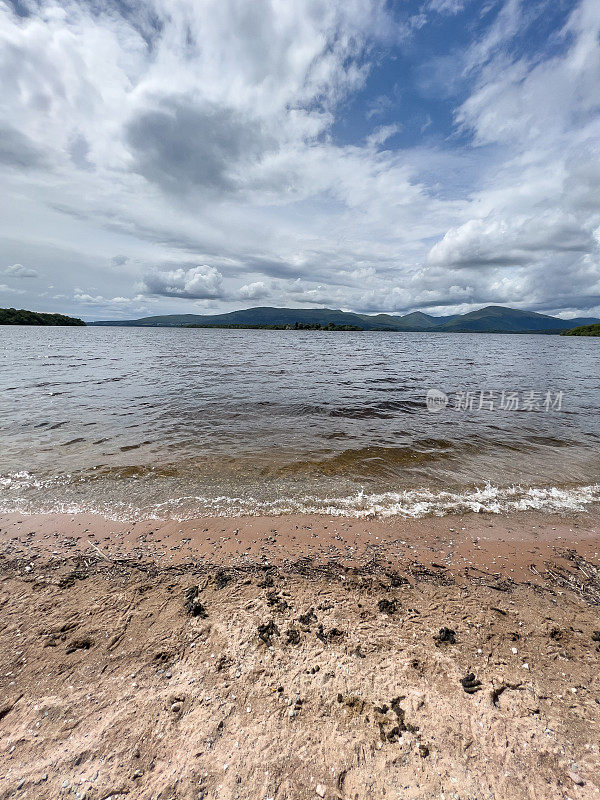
{"points": [[491, 319]]}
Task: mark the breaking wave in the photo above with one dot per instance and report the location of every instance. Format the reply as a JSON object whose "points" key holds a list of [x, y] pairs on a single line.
{"points": [[410, 503]]}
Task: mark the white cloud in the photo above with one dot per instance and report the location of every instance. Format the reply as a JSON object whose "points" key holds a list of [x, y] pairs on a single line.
{"points": [[382, 134], [254, 291], [9, 289], [198, 282], [19, 271]]}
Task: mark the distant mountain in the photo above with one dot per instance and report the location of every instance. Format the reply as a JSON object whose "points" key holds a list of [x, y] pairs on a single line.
{"points": [[491, 319], [19, 316]]}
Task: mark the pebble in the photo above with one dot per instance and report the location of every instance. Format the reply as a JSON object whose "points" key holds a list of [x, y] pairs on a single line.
{"points": [[576, 778], [320, 790]]}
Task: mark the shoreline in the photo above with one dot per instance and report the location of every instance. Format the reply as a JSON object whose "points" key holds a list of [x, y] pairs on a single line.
{"points": [[511, 546]]}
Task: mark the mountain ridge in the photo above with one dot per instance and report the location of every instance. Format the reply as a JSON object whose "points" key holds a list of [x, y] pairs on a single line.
{"points": [[490, 319]]}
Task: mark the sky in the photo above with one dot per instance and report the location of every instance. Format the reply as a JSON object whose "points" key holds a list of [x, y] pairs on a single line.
{"points": [[200, 156]]}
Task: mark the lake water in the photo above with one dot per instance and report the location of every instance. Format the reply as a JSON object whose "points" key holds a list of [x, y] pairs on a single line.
{"points": [[134, 422]]}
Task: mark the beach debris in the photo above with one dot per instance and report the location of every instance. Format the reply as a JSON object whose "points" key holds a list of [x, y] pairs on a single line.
{"points": [[223, 663], [357, 652], [277, 602], [192, 605], [307, 618], [400, 715], [396, 579], [388, 607], [267, 582], [221, 579], [355, 705], [470, 683], [293, 636], [331, 635], [266, 631], [445, 636]]}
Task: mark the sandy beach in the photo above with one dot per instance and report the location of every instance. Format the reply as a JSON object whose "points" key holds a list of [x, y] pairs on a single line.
{"points": [[300, 657]]}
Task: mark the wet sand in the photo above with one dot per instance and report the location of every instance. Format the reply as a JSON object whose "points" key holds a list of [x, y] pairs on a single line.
{"points": [[300, 657]]}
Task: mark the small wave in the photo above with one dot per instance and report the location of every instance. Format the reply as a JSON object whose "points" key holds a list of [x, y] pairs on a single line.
{"points": [[411, 504]]}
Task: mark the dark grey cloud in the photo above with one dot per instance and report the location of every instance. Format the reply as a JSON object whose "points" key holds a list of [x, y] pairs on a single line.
{"points": [[180, 147], [16, 150]]}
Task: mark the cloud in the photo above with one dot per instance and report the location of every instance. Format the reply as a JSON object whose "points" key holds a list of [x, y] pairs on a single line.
{"points": [[254, 291], [182, 147], [17, 150], [9, 289], [212, 134], [201, 283], [496, 241], [19, 271], [382, 134], [119, 260]]}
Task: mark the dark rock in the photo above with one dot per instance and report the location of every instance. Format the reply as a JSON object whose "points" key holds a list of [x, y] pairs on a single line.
{"points": [[266, 631], [196, 609], [293, 636], [222, 579], [397, 580], [388, 606], [445, 636], [470, 683], [276, 602], [306, 619]]}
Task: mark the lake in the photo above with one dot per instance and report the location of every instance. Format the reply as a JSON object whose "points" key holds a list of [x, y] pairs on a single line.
{"points": [[146, 422]]}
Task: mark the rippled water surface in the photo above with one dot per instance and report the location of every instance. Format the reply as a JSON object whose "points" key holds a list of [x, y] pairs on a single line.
{"points": [[177, 422]]}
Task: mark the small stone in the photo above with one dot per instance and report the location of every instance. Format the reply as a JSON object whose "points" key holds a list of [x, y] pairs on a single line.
{"points": [[176, 707], [320, 790], [168, 675], [576, 778]]}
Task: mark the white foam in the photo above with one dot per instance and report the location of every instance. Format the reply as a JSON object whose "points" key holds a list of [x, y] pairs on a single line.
{"points": [[408, 503]]}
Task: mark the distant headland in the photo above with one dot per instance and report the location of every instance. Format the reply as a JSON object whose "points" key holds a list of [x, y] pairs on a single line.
{"points": [[491, 319], [583, 330], [19, 316]]}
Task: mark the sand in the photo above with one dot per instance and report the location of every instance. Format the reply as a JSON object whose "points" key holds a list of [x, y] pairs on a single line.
{"points": [[300, 657]]}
